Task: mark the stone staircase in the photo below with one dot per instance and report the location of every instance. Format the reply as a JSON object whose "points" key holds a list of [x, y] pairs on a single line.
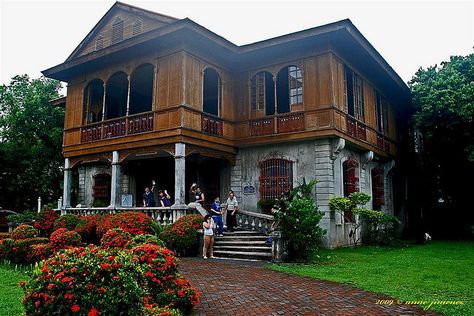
{"points": [[242, 244]]}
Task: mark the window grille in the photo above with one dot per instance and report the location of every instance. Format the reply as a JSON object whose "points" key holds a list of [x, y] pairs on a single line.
{"points": [[351, 183], [101, 188], [257, 94], [359, 98], [276, 177]]}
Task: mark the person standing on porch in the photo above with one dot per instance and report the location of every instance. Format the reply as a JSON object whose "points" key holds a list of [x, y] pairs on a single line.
{"points": [[149, 197], [197, 199], [208, 225], [231, 208], [165, 198], [216, 213]]}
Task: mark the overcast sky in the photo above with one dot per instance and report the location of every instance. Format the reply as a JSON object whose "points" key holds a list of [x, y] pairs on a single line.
{"points": [[36, 35]]}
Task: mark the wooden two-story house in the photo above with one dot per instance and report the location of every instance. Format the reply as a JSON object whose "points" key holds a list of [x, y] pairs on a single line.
{"points": [[152, 97]]}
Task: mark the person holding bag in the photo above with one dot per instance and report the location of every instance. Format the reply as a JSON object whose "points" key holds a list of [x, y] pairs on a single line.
{"points": [[208, 225]]}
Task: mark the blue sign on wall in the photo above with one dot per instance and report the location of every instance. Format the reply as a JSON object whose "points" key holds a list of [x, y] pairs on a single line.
{"points": [[249, 189]]}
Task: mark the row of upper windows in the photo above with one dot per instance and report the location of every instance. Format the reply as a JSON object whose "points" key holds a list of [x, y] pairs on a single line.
{"points": [[266, 94], [354, 100]]}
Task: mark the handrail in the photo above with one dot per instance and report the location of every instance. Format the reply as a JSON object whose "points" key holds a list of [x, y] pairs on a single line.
{"points": [[258, 215], [255, 221], [163, 215]]}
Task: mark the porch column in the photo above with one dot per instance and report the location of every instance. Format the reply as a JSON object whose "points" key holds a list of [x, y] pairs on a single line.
{"points": [[115, 181], [179, 175], [67, 184]]}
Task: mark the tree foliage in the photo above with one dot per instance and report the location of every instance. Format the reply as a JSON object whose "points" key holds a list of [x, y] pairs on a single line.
{"points": [[30, 142], [444, 99], [298, 218]]}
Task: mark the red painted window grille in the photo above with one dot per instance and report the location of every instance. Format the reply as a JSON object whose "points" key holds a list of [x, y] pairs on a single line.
{"points": [[377, 189], [101, 188], [351, 183], [276, 177]]}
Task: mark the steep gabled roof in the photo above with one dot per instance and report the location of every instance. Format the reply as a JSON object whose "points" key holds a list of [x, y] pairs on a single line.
{"points": [[119, 6]]}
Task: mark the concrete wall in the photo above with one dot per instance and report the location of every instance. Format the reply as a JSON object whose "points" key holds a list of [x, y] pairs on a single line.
{"points": [[246, 171]]}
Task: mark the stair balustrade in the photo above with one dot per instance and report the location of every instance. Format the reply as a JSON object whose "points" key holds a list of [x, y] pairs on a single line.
{"points": [[255, 221]]}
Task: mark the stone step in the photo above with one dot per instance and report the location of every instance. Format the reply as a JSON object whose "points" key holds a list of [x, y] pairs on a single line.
{"points": [[243, 248], [243, 233], [243, 254], [242, 238], [221, 242]]}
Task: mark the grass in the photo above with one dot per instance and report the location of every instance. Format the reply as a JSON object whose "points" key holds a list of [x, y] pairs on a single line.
{"points": [[10, 293], [438, 271]]}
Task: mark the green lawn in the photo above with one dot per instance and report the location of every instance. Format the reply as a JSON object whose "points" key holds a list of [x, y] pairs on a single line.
{"points": [[10, 292], [438, 271]]}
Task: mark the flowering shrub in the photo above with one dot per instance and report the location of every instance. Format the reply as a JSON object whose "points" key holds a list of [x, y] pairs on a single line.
{"points": [[17, 250], [145, 239], [98, 281], [39, 252], [45, 221], [87, 228], [68, 221], [182, 234], [63, 238], [116, 237], [5, 235], [24, 232], [135, 223]]}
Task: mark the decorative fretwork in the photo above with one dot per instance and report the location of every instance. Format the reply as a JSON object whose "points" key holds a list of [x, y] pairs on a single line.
{"points": [[291, 123], [140, 123], [262, 127], [212, 125]]}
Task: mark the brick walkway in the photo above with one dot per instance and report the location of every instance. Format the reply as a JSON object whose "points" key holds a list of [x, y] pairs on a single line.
{"points": [[247, 288]]}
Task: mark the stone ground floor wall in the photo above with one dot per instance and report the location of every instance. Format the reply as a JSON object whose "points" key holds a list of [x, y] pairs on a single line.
{"points": [[320, 159]]}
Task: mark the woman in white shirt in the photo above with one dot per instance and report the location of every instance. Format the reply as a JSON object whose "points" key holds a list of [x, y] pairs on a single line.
{"points": [[208, 225]]}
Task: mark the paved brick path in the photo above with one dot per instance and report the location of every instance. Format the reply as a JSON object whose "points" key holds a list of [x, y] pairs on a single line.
{"points": [[247, 288]]}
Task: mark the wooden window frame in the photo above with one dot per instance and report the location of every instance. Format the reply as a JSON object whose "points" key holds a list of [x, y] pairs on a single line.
{"points": [[350, 181], [258, 92], [295, 93]]}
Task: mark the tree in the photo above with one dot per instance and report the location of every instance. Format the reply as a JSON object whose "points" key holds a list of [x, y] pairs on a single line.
{"points": [[444, 101], [30, 142]]}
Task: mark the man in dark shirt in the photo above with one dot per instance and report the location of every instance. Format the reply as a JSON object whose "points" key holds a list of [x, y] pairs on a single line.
{"points": [[148, 197]]}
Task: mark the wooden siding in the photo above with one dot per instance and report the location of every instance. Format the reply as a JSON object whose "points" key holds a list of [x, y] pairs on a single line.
{"points": [[177, 107]]}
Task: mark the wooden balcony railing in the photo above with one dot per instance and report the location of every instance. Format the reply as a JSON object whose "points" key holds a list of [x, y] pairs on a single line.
{"points": [[212, 125], [262, 127], [290, 123], [355, 128], [91, 133], [139, 123], [114, 128], [286, 123]]}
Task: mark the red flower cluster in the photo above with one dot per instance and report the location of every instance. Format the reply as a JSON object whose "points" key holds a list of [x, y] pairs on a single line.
{"points": [[45, 221], [183, 233], [63, 238], [39, 252], [116, 237], [19, 250], [5, 235], [24, 232], [68, 221], [135, 223]]}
